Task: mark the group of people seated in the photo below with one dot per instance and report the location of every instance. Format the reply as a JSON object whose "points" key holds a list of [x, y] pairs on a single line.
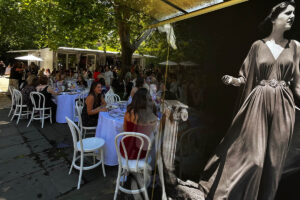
{"points": [[143, 96], [140, 116], [39, 84]]}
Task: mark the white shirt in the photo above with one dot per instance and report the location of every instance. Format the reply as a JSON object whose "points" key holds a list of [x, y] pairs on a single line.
{"points": [[108, 76], [7, 71]]}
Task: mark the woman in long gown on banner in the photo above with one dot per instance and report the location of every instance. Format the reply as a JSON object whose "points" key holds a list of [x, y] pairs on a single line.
{"points": [[248, 162]]}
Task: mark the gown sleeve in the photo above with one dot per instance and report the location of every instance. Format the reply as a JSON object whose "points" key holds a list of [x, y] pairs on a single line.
{"points": [[247, 75], [292, 162], [296, 77]]}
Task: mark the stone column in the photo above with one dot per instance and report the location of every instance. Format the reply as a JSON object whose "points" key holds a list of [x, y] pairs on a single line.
{"points": [[173, 112]]}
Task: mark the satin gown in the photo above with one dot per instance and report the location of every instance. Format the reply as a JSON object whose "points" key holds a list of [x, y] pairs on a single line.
{"points": [[248, 162]]}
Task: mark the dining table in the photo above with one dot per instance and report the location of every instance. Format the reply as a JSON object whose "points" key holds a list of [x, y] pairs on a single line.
{"points": [[109, 125], [65, 102]]}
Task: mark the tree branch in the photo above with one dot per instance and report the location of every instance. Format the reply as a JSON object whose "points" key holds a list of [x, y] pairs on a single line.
{"points": [[143, 37]]}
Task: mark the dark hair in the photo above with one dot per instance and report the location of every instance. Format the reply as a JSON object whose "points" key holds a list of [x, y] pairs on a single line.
{"points": [[89, 74], [97, 98], [43, 80], [139, 82], [35, 82], [266, 25], [140, 102], [102, 81], [83, 82]]}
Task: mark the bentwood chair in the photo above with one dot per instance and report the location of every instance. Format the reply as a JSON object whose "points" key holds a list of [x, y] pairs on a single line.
{"points": [[11, 91], [20, 109], [112, 98], [80, 103], [85, 147], [137, 166], [39, 110], [84, 129]]}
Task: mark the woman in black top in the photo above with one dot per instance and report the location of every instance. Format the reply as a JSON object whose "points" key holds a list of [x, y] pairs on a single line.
{"points": [[47, 91], [94, 104], [81, 82], [32, 82]]}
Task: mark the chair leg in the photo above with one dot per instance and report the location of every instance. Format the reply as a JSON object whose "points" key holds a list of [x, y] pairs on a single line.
{"points": [[50, 116], [32, 114], [11, 109], [43, 118], [20, 113], [73, 161], [102, 160], [145, 185], [84, 133], [14, 114], [94, 157], [117, 183], [81, 168]]}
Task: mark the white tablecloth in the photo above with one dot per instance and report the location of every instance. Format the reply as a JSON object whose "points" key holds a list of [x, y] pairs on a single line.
{"points": [[65, 107], [107, 129]]}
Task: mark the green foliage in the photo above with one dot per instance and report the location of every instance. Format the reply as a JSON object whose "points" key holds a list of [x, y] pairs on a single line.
{"points": [[106, 24]]}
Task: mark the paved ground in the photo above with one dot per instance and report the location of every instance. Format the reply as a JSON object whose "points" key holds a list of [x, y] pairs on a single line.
{"points": [[34, 163]]}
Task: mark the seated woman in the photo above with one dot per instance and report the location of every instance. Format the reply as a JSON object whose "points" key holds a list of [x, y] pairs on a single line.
{"points": [[104, 88], [139, 83], [69, 75], [140, 117], [59, 82], [47, 91], [94, 104], [31, 83], [81, 82]]}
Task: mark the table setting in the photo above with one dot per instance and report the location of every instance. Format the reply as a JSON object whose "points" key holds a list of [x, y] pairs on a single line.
{"points": [[65, 101], [109, 125]]}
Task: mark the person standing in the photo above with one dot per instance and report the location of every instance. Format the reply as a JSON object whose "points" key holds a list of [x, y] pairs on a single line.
{"points": [[2, 68], [108, 76], [7, 70], [248, 162], [15, 75]]}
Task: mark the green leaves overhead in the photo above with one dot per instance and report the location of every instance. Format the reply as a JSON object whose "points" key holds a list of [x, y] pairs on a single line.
{"points": [[96, 24]]}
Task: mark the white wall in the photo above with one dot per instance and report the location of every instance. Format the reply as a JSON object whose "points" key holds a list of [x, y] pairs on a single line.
{"points": [[47, 56]]}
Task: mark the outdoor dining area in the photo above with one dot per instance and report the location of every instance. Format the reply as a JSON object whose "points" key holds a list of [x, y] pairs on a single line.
{"points": [[106, 129], [147, 100]]}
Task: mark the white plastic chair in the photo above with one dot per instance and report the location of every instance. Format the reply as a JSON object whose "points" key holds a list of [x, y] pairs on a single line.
{"points": [[85, 147], [136, 166], [80, 102], [112, 98], [11, 88], [83, 129], [82, 97], [19, 107], [38, 112], [110, 91]]}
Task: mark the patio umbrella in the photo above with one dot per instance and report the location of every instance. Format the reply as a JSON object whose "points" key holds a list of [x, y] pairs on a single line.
{"points": [[29, 57], [188, 63], [170, 63]]}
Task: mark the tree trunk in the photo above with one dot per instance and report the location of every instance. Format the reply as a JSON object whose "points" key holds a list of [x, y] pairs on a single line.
{"points": [[122, 16]]}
